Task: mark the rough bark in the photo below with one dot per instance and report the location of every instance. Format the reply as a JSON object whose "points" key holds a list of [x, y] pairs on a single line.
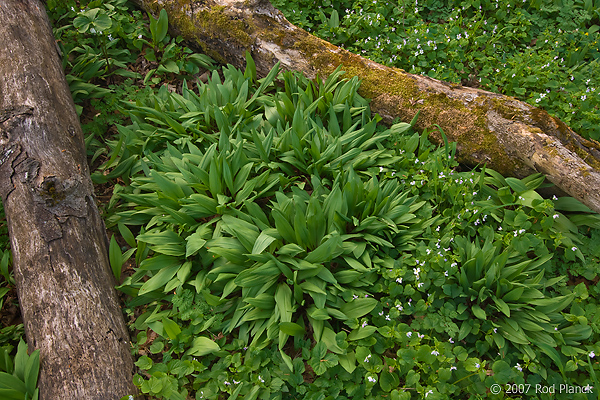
{"points": [[508, 135], [64, 282]]}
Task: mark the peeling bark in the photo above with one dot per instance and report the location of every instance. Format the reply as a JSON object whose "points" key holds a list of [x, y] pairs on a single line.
{"points": [[508, 135], [60, 250]]}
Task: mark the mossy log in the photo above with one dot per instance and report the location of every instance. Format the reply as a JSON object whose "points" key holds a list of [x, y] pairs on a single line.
{"points": [[501, 132], [58, 241]]}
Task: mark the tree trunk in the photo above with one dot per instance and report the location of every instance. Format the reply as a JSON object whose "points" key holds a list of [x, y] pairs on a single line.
{"points": [[508, 135], [64, 282]]}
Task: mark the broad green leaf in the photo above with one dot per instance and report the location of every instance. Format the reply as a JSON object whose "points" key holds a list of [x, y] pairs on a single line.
{"points": [[329, 338], [359, 307], [10, 394], [554, 304], [262, 242], [250, 72], [291, 328], [21, 360], [465, 329], [160, 261], [102, 22], [287, 360], [284, 300], [478, 312], [318, 314], [32, 369], [570, 204], [168, 187], [159, 280], [194, 243], [245, 232], [330, 249], [283, 226], [171, 328], [502, 306], [202, 346], [8, 381], [554, 355], [516, 184], [116, 258], [514, 294], [127, 235], [319, 351], [362, 332], [162, 26], [515, 336], [348, 361]]}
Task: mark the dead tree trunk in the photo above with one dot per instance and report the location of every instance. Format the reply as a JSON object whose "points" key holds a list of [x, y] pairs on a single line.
{"points": [[65, 286], [508, 135]]}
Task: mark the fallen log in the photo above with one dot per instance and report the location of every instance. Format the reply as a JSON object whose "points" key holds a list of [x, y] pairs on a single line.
{"points": [[508, 135], [64, 282]]}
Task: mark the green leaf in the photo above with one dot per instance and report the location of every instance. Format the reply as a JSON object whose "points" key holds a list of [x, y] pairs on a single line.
{"points": [[554, 355], [8, 381], [127, 235], [570, 204], [250, 72], [291, 328], [362, 332], [21, 360], [334, 20], [502, 306], [102, 23], [465, 329], [554, 304], [202, 346], [503, 373], [10, 394], [262, 242], [516, 185], [478, 312], [287, 360], [358, 307], [326, 251], [32, 369], [116, 258], [159, 280], [245, 232], [322, 364], [171, 328], [162, 26], [283, 300], [348, 361], [167, 186], [194, 243], [512, 334], [170, 66]]}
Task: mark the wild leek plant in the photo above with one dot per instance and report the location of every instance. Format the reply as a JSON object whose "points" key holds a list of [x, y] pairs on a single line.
{"points": [[288, 245]]}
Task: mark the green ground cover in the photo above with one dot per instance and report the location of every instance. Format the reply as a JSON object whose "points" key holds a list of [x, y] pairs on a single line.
{"points": [[273, 240], [543, 52]]}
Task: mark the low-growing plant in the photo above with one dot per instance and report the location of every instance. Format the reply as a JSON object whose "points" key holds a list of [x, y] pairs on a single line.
{"points": [[18, 378], [294, 228]]}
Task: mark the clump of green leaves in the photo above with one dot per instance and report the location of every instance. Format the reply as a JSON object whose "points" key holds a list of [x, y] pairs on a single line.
{"points": [[18, 378], [103, 44], [279, 228]]}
